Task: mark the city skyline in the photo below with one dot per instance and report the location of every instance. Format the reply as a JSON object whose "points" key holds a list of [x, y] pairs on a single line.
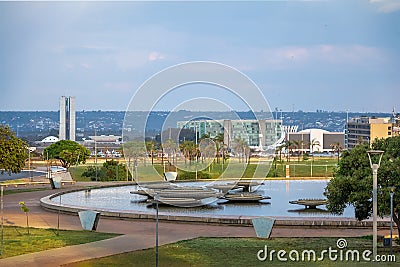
{"points": [[304, 55]]}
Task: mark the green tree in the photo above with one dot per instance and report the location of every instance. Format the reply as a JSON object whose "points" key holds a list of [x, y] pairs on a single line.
{"points": [[13, 151], [352, 181], [241, 147], [336, 148], [25, 209], [219, 143], [151, 147], [134, 150], [111, 170], [170, 147], [67, 152], [299, 147], [188, 149], [288, 146]]}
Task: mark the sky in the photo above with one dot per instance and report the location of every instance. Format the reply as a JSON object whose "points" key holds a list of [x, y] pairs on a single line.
{"points": [[303, 55]]}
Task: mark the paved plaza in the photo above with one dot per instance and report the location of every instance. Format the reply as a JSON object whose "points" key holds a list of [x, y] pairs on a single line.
{"points": [[136, 234]]}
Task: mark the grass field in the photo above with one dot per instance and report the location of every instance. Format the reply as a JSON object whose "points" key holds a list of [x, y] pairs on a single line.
{"points": [[15, 191], [17, 241], [202, 252], [304, 168]]}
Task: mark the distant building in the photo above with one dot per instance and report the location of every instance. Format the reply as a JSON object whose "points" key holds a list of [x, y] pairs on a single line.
{"points": [[177, 135], [257, 133], [50, 139], [367, 129], [106, 145], [67, 118], [324, 139], [116, 139]]}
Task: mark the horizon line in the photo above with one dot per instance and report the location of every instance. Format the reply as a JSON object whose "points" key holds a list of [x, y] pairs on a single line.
{"points": [[272, 111]]}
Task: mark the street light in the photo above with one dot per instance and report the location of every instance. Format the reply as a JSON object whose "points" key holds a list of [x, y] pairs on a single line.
{"points": [[156, 200], [2, 219], [391, 192], [375, 167]]}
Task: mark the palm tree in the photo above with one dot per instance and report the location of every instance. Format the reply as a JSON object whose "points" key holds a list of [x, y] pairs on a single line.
{"points": [[134, 149], [208, 151], [188, 149], [219, 142], [287, 146], [241, 147], [150, 145], [336, 148], [314, 143], [299, 147], [170, 146]]}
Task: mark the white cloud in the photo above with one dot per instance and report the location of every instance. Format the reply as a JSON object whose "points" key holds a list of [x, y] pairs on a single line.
{"points": [[153, 56], [289, 57], [85, 65], [346, 54], [119, 86], [386, 6]]}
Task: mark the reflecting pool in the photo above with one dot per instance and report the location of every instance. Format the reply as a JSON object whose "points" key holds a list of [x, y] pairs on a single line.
{"points": [[280, 191]]}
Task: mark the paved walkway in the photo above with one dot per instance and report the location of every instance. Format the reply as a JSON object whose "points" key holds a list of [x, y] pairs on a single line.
{"points": [[137, 235]]}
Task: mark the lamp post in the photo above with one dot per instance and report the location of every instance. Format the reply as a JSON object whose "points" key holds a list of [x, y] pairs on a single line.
{"points": [[136, 170], [2, 219], [29, 164], [156, 200], [391, 192], [375, 167]]}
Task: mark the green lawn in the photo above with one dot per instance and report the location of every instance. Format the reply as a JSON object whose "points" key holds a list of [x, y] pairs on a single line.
{"points": [[202, 252], [303, 168], [76, 172], [15, 191], [17, 241]]}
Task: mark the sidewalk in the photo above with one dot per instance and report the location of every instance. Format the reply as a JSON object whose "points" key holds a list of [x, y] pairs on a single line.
{"points": [[137, 235]]}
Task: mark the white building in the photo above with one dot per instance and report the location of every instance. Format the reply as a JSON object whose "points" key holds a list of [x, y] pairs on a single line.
{"points": [[50, 139], [323, 138]]}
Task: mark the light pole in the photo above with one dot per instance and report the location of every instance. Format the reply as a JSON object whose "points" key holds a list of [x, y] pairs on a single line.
{"points": [[95, 150], [196, 150], [391, 192], [156, 200], [29, 164], [2, 220], [136, 170], [375, 167]]}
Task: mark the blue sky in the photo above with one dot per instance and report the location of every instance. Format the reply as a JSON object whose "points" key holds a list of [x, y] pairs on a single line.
{"points": [[304, 55]]}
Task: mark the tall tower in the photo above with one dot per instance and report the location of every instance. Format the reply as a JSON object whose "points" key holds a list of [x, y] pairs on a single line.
{"points": [[67, 118]]}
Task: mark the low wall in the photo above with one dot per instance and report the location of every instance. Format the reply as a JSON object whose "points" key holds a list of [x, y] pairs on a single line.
{"points": [[309, 222]]}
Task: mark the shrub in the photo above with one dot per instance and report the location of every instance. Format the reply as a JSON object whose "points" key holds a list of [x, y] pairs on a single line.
{"points": [[192, 175]]}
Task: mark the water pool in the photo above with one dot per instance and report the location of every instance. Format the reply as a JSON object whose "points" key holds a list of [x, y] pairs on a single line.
{"points": [[281, 192]]}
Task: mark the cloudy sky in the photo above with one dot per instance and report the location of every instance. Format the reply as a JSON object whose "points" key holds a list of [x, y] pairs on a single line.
{"points": [[303, 55]]}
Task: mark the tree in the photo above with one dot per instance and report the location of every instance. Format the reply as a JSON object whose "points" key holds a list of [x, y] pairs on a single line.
{"points": [[241, 147], [336, 148], [352, 181], [314, 143], [111, 170], [13, 151], [170, 147], [299, 147], [134, 149], [219, 142], [150, 147], [188, 149], [288, 146], [67, 152], [25, 209]]}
